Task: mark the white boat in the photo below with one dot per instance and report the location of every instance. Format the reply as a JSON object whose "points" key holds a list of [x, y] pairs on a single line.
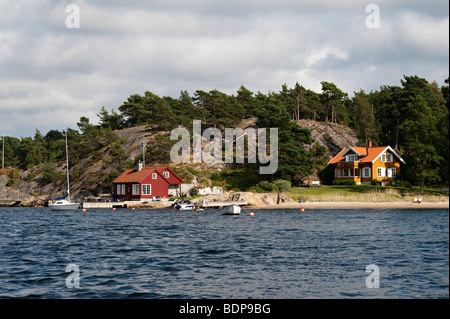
{"points": [[231, 210], [186, 205], [64, 203]]}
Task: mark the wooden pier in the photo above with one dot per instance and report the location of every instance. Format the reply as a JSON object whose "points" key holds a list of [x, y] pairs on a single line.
{"points": [[9, 202], [221, 204]]}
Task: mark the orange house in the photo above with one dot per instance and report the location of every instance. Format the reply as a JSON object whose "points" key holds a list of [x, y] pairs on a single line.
{"points": [[365, 164]]}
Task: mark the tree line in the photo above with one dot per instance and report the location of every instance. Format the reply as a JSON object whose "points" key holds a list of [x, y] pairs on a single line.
{"points": [[411, 117]]}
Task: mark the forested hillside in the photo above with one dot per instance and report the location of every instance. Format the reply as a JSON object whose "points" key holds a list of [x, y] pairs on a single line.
{"points": [[411, 117]]}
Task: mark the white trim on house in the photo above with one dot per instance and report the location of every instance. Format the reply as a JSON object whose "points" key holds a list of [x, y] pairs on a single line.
{"points": [[350, 148], [146, 189], [392, 151], [364, 172]]}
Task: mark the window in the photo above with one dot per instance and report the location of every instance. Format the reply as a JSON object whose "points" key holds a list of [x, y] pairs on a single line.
{"points": [[383, 158], [136, 189], [352, 158], [337, 172], [120, 189], [381, 172], [357, 172], [146, 189], [154, 176], [166, 174], [389, 158], [366, 172], [392, 172]]}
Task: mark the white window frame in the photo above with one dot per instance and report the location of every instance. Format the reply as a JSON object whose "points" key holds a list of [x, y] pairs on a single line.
{"points": [[381, 171], [367, 169], [154, 176], [146, 189], [389, 158], [136, 189], [119, 189], [392, 172], [166, 174], [383, 158]]}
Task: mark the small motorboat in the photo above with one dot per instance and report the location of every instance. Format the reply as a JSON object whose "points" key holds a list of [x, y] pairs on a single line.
{"points": [[185, 205], [231, 210]]}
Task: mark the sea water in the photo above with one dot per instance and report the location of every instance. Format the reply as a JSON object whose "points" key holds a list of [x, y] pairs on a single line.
{"points": [[273, 254]]}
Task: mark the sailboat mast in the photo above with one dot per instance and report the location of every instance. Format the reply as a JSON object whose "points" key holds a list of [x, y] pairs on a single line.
{"points": [[67, 168]]}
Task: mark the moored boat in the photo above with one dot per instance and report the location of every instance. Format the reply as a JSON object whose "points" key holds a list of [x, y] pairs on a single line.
{"points": [[185, 205], [231, 210], [64, 203]]}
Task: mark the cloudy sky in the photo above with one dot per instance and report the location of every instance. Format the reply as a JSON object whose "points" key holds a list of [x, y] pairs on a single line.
{"points": [[51, 75]]}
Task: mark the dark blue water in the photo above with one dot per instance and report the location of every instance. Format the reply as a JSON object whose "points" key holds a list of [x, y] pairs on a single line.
{"points": [[274, 254]]}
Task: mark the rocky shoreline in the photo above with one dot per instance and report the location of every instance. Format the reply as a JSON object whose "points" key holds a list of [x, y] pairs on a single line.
{"points": [[272, 201]]}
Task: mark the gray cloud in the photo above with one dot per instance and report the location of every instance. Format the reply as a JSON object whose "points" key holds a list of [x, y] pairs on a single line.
{"points": [[50, 75]]}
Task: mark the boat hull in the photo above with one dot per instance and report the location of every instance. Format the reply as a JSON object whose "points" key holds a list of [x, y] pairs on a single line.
{"points": [[65, 206], [184, 207], [231, 210]]}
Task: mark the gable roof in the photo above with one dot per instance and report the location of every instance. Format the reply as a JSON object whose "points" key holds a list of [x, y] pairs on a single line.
{"points": [[133, 176], [369, 154]]}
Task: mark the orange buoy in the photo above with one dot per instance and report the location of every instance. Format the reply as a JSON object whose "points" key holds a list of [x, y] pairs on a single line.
{"points": [[114, 208], [251, 214], [83, 210], [302, 210]]}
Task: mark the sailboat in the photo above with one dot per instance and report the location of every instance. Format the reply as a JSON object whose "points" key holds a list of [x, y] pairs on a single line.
{"points": [[64, 203]]}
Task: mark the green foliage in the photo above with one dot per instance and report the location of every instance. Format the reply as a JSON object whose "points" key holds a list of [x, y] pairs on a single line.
{"points": [[268, 186], [283, 185], [13, 178], [344, 182], [51, 175]]}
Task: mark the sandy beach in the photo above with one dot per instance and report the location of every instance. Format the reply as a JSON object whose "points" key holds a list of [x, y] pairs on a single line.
{"points": [[356, 205]]}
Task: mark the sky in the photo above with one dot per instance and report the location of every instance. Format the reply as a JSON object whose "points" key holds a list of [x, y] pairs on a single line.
{"points": [[59, 62]]}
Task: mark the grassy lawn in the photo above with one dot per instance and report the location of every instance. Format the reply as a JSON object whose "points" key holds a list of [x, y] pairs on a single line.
{"points": [[361, 193]]}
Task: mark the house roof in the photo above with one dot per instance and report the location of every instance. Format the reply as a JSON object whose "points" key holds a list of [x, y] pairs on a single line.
{"points": [[369, 154], [133, 176]]}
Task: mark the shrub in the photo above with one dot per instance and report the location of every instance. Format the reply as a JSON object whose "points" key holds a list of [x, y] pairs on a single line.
{"points": [[256, 189], [283, 185], [344, 182], [268, 186], [375, 182], [405, 184]]}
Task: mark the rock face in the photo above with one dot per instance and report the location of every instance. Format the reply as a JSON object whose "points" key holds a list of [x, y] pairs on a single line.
{"points": [[333, 136]]}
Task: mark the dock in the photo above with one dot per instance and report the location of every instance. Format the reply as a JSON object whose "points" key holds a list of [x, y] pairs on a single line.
{"points": [[9, 202], [124, 204], [88, 205], [221, 204]]}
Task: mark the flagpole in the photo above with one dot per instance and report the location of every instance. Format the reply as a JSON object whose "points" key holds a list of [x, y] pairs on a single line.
{"points": [[3, 151], [143, 152]]}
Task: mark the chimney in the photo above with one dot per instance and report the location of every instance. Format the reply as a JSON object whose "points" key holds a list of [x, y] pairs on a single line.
{"points": [[369, 144], [139, 166]]}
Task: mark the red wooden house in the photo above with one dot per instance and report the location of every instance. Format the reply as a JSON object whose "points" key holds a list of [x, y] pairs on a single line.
{"points": [[146, 182]]}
